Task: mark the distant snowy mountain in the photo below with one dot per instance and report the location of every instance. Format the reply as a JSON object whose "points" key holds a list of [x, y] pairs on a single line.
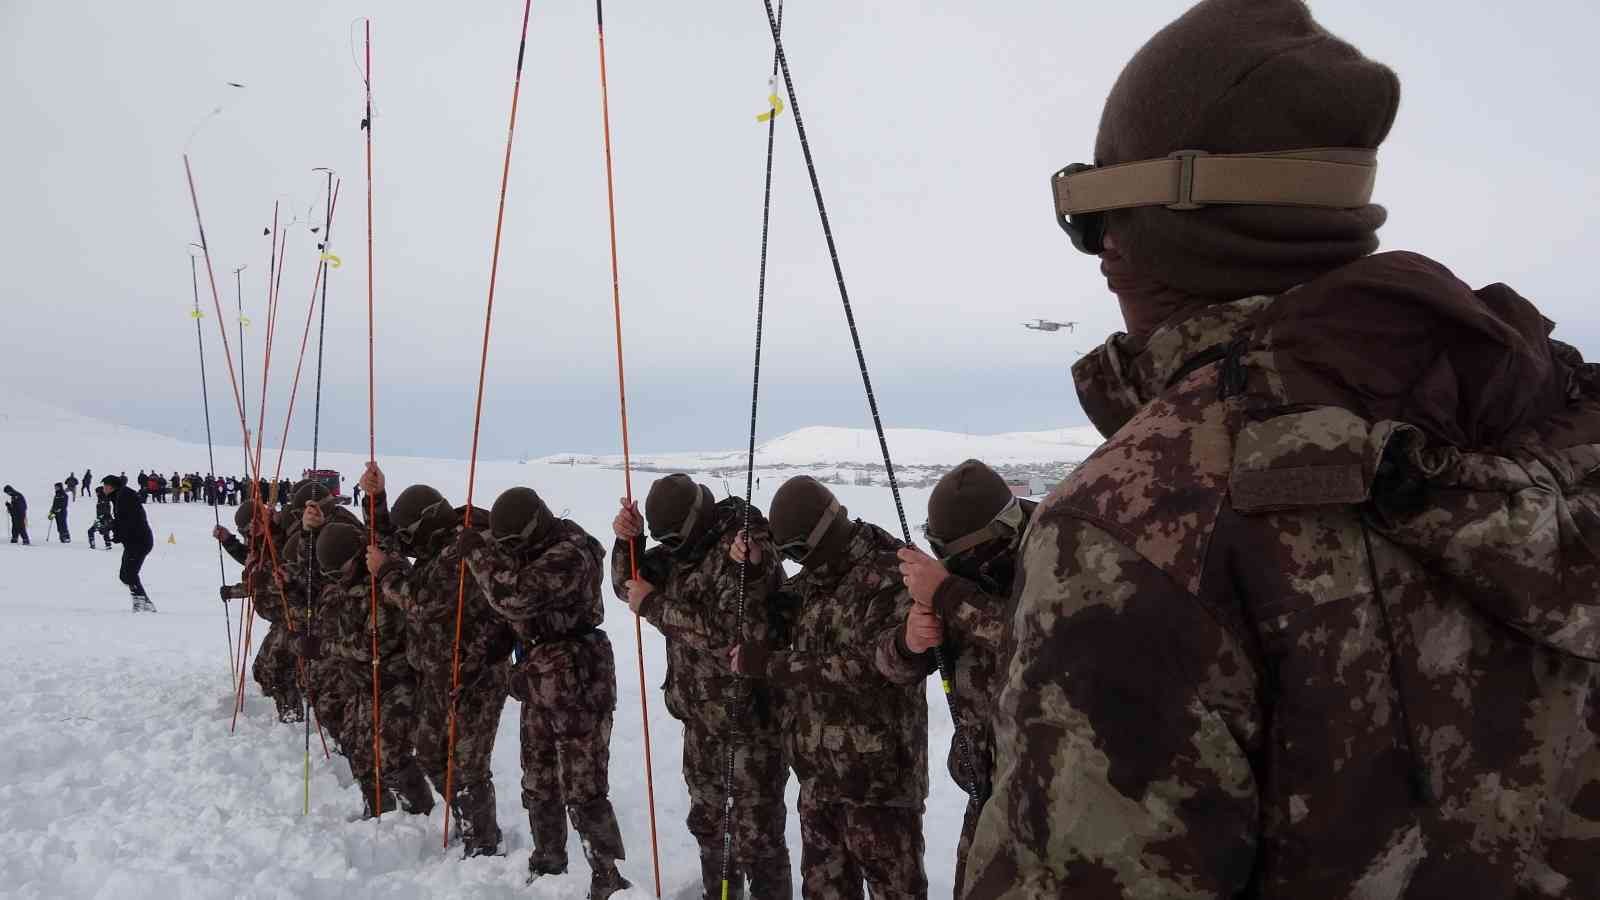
{"points": [[852, 455]]}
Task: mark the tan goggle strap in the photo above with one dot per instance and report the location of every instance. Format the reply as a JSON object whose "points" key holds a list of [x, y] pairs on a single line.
{"points": [[1004, 525], [1190, 179], [820, 530]]}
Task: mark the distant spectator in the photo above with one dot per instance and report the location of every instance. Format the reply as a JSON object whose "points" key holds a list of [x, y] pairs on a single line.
{"points": [[87, 484], [58, 513], [72, 485], [17, 507]]}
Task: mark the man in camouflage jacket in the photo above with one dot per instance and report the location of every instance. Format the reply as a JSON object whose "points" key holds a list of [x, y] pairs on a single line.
{"points": [[975, 526], [425, 526], [1320, 620], [542, 574], [858, 742], [276, 669], [346, 635], [689, 589]]}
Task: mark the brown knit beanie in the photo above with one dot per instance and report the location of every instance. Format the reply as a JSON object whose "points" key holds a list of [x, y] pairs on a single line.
{"points": [[338, 544], [669, 502], [245, 516], [966, 499], [797, 507], [1244, 76]]}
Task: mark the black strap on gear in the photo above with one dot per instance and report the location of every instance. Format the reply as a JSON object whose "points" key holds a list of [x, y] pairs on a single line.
{"points": [[963, 740]]}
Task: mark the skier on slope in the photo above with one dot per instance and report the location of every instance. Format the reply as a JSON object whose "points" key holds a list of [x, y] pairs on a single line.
{"points": [[131, 529], [17, 507], [58, 513], [72, 486]]}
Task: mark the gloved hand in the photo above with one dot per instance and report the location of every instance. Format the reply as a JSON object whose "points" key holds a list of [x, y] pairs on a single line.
{"points": [[221, 534], [469, 540]]}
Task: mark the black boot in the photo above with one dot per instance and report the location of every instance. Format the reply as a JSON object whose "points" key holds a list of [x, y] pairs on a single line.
{"points": [[480, 830], [416, 797], [548, 824], [606, 881]]}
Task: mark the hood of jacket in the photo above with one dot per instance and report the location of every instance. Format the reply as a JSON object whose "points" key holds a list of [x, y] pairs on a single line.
{"points": [[1467, 435]]}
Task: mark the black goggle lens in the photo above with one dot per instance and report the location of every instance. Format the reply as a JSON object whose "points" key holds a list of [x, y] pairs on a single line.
{"points": [[1087, 231], [795, 551]]}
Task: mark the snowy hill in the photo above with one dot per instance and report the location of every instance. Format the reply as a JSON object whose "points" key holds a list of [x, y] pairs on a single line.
{"points": [[852, 455], [122, 779]]}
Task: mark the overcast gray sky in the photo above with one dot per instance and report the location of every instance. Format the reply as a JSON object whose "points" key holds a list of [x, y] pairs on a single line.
{"points": [[935, 127]]}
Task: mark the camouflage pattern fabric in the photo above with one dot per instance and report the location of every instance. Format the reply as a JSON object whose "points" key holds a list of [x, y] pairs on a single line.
{"points": [[857, 741], [346, 633], [852, 735], [428, 595], [477, 718], [566, 754], [971, 603], [695, 606], [548, 590], [1304, 629], [846, 845], [276, 670], [760, 852]]}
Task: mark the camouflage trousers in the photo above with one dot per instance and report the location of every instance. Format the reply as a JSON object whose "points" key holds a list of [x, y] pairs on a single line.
{"points": [[479, 702], [760, 853], [329, 695], [276, 671], [568, 693], [981, 742], [399, 777], [843, 845]]}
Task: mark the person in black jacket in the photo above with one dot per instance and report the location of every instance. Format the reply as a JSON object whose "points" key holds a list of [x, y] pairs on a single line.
{"points": [[87, 484], [17, 506], [131, 529], [58, 513]]}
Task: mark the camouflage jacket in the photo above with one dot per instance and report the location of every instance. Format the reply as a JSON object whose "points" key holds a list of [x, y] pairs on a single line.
{"points": [[696, 607], [1319, 620], [344, 626], [973, 612], [852, 735], [548, 590], [429, 592]]}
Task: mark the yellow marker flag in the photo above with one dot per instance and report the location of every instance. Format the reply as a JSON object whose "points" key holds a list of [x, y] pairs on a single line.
{"points": [[774, 100], [332, 260], [196, 314], [172, 538], [245, 321]]}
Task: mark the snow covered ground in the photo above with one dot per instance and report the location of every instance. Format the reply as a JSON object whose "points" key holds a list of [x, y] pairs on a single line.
{"points": [[121, 778]]}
